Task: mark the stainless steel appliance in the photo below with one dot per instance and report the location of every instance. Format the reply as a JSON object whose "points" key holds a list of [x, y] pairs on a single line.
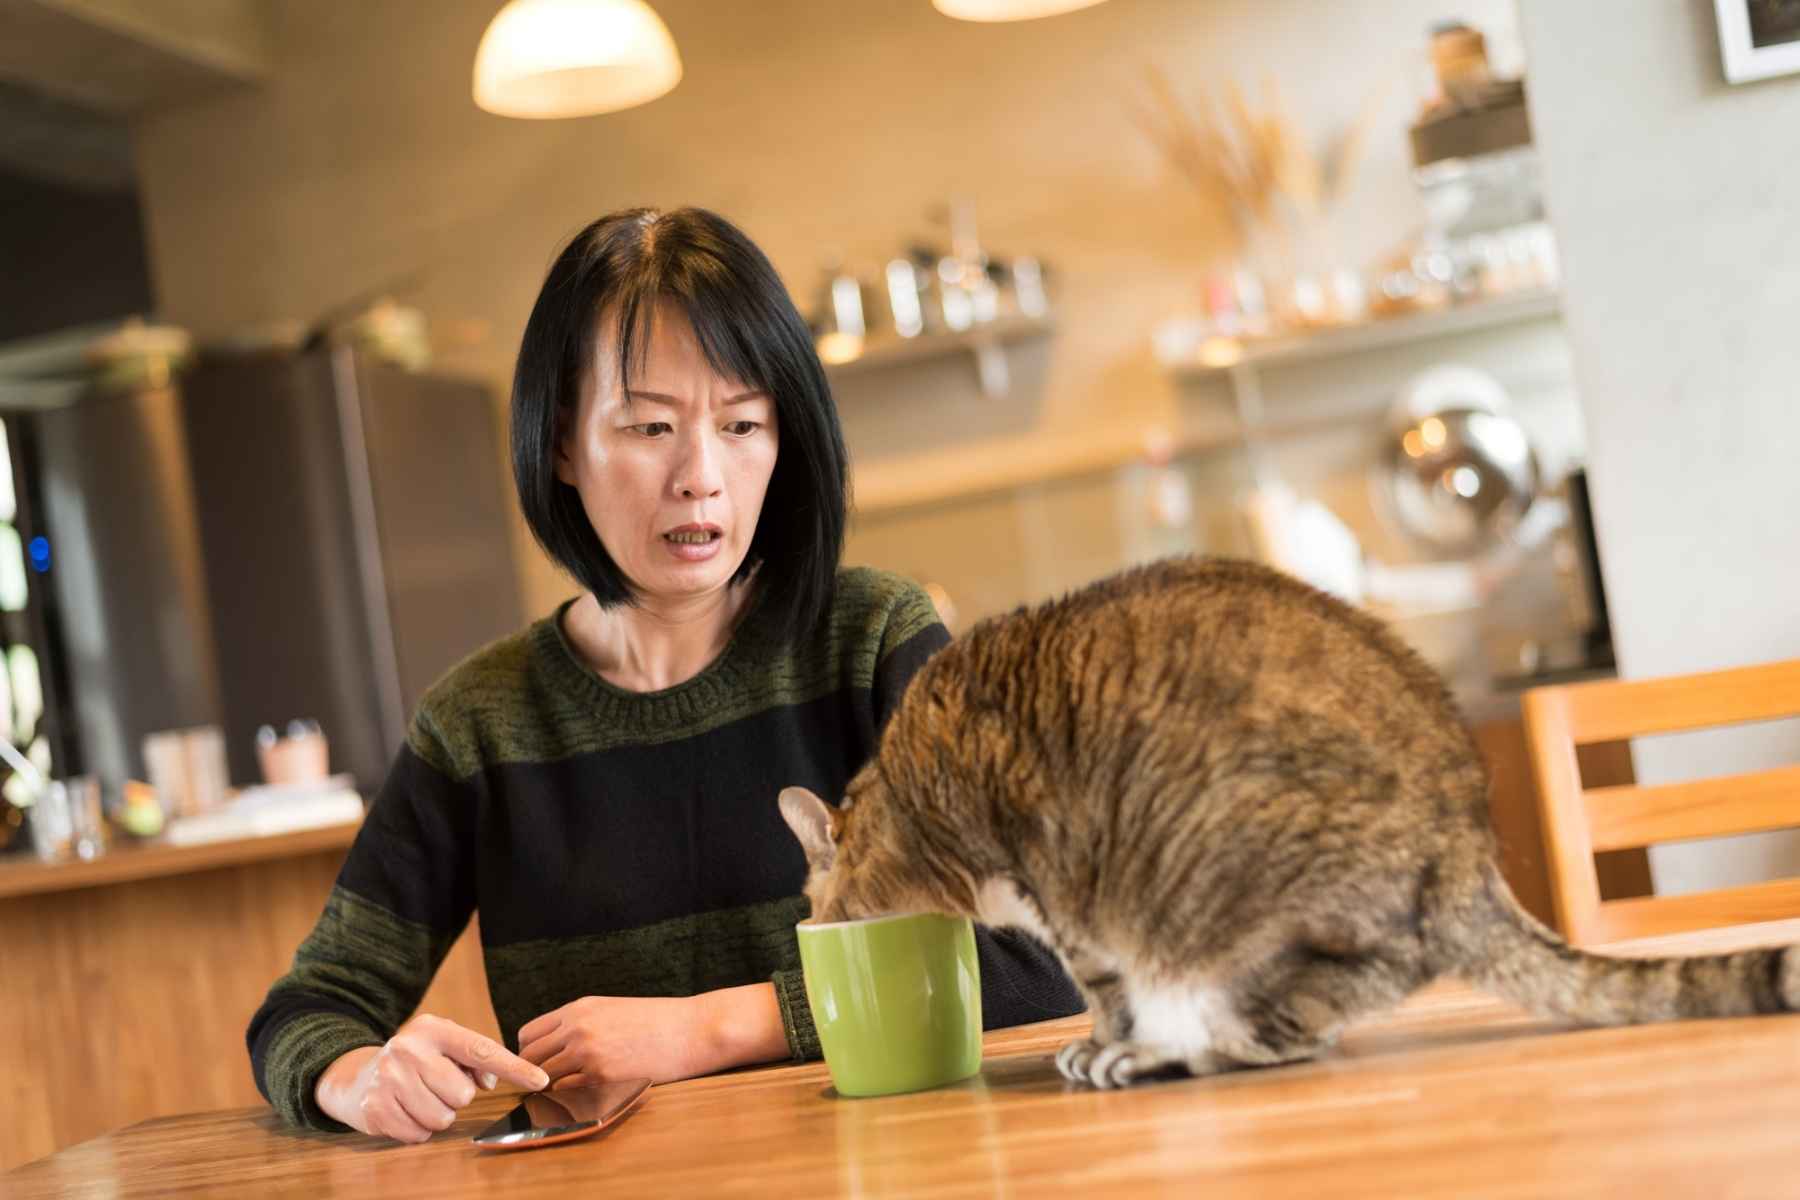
{"points": [[255, 539], [353, 525]]}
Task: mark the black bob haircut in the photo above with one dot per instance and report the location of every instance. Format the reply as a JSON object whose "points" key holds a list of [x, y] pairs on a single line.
{"points": [[746, 325]]}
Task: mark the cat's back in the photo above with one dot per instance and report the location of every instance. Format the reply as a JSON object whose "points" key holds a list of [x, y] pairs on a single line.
{"points": [[1198, 638]]}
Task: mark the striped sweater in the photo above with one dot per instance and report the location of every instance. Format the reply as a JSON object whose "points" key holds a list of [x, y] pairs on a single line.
{"points": [[616, 843]]}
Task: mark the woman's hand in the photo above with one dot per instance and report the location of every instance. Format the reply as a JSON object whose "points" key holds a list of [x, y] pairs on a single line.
{"points": [[412, 1087], [616, 1037]]}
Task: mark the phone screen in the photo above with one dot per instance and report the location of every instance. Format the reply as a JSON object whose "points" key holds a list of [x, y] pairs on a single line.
{"points": [[543, 1118]]}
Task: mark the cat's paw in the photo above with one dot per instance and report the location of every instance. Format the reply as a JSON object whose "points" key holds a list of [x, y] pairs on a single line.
{"points": [[1073, 1059], [1116, 1064]]}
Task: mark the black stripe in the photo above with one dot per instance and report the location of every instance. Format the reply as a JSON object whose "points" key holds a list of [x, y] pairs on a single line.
{"points": [[1772, 999], [1691, 994], [412, 856], [1021, 980], [642, 834], [896, 671]]}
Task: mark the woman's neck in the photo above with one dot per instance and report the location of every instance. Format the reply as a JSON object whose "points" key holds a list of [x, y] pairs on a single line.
{"points": [[655, 644]]}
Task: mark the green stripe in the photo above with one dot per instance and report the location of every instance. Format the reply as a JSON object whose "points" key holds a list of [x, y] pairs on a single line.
{"points": [[683, 956], [528, 699], [299, 1053], [358, 954], [913, 614], [362, 954]]}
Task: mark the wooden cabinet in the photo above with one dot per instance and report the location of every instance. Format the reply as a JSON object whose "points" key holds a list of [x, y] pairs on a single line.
{"points": [[127, 983]]}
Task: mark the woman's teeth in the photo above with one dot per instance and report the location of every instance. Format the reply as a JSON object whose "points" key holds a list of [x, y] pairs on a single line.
{"points": [[697, 538]]}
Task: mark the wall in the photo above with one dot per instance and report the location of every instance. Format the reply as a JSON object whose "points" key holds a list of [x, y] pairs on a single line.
{"points": [[1326, 436], [1672, 194], [819, 126]]}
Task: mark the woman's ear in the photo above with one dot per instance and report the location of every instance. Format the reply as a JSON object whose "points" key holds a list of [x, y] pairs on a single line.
{"points": [[810, 819], [559, 446]]}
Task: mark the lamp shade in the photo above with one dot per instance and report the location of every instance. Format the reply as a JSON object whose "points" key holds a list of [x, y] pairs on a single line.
{"points": [[573, 58], [1007, 10]]}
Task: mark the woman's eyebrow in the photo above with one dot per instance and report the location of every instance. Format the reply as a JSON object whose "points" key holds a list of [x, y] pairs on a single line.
{"points": [[665, 398]]}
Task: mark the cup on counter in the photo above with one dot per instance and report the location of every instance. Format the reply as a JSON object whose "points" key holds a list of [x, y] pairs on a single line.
{"points": [[51, 824], [187, 768], [65, 819], [896, 1001], [301, 755]]}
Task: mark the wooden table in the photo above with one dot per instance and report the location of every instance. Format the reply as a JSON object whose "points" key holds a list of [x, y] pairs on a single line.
{"points": [[1453, 1095]]}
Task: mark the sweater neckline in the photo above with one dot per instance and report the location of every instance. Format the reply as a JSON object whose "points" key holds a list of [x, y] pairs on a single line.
{"points": [[666, 708]]}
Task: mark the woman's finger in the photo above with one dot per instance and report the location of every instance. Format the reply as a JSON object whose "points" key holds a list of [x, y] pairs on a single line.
{"points": [[384, 1117], [539, 1027], [567, 1061], [483, 1053], [447, 1081], [543, 1047], [426, 1110]]}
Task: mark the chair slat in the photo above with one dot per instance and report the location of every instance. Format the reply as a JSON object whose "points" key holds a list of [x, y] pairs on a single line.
{"points": [[1608, 710], [1650, 916], [1621, 817]]}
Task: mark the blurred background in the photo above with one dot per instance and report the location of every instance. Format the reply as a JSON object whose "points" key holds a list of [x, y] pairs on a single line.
{"points": [[1476, 313]]}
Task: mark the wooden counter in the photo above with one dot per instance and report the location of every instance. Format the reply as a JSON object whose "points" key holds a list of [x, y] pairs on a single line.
{"points": [[127, 982], [1454, 1095], [126, 861]]}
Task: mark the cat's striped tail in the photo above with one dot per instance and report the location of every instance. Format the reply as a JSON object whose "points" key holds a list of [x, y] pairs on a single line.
{"points": [[1491, 941]]}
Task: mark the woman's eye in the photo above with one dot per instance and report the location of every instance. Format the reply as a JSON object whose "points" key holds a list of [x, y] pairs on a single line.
{"points": [[652, 429], [743, 428]]}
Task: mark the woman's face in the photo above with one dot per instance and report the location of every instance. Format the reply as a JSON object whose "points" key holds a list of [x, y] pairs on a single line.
{"points": [[672, 469]]}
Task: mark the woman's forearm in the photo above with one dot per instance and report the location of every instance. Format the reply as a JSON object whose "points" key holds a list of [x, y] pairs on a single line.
{"points": [[743, 1025]]}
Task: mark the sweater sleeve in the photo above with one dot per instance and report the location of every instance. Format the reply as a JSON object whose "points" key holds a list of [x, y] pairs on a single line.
{"points": [[403, 896]]}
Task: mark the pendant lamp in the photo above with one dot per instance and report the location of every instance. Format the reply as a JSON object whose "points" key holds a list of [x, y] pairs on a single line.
{"points": [[573, 58]]}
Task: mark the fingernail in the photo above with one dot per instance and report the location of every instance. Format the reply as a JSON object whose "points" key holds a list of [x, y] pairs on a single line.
{"points": [[489, 1079], [543, 1081]]}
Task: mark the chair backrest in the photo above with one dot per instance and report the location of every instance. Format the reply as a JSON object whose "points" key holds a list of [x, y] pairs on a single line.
{"points": [[1577, 822]]}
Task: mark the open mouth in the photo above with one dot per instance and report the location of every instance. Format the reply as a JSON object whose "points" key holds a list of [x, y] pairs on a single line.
{"points": [[693, 535]]}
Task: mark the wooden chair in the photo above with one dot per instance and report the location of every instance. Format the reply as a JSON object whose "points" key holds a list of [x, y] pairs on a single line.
{"points": [[1578, 822]]}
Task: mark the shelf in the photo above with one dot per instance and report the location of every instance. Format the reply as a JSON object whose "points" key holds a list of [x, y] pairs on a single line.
{"points": [[957, 473], [1181, 358], [25, 876], [983, 341], [961, 473], [58, 369]]}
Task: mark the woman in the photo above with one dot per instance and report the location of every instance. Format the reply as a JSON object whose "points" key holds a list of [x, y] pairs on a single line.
{"points": [[602, 786]]}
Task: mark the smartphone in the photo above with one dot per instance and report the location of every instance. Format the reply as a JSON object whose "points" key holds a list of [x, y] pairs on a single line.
{"points": [[546, 1118]]}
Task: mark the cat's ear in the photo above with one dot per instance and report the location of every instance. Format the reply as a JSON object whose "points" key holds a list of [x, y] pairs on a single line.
{"points": [[810, 819]]}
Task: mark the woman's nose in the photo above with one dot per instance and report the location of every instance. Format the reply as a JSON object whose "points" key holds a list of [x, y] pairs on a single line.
{"points": [[697, 474]]}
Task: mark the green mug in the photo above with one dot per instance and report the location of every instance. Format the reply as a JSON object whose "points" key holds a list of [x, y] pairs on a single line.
{"points": [[896, 1001]]}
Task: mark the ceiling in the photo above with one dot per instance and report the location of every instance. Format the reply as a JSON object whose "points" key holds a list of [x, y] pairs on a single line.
{"points": [[73, 73]]}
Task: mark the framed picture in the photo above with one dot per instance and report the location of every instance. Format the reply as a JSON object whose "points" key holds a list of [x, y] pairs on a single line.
{"points": [[1759, 38]]}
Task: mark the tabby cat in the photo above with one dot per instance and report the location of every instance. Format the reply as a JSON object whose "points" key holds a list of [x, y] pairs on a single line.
{"points": [[1242, 812]]}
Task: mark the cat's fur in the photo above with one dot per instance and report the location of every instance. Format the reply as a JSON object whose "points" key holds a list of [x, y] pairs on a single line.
{"points": [[1243, 813]]}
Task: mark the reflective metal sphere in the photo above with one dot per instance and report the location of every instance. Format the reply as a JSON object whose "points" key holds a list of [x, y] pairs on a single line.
{"points": [[1460, 478]]}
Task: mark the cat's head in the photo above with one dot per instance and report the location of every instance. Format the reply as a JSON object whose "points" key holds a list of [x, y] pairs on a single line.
{"points": [[859, 861]]}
